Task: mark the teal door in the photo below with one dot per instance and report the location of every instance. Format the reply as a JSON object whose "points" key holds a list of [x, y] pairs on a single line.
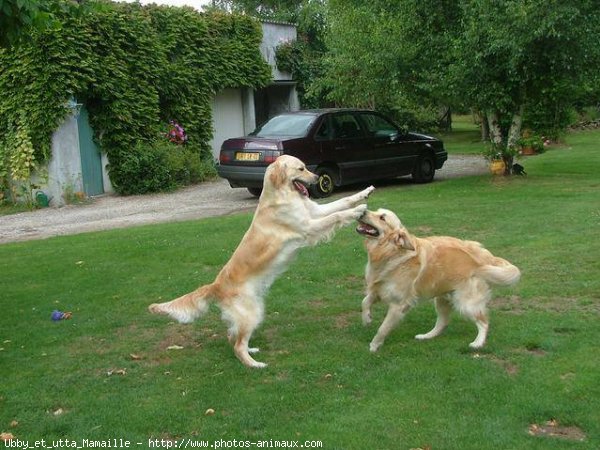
{"points": [[91, 163]]}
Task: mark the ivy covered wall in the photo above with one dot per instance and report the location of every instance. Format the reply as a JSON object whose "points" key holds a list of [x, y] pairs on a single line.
{"points": [[135, 68]]}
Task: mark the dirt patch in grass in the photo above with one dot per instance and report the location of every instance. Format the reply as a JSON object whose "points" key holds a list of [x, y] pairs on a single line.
{"points": [[567, 376], [553, 429], [343, 321], [509, 367], [354, 280], [512, 304], [317, 303], [182, 336], [516, 305], [536, 352], [531, 350], [423, 230]]}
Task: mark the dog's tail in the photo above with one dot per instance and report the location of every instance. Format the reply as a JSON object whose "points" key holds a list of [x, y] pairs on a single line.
{"points": [[500, 272], [188, 307]]}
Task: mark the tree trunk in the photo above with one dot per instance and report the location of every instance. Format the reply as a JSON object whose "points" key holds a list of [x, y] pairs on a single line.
{"points": [[514, 133], [494, 128], [445, 120], [485, 128]]}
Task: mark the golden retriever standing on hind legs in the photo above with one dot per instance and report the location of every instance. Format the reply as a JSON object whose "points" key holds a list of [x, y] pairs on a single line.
{"points": [[285, 220], [403, 269]]}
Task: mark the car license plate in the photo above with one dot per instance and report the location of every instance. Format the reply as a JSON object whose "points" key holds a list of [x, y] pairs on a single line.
{"points": [[247, 156]]}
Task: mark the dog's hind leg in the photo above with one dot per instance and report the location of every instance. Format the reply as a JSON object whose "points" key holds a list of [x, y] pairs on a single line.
{"points": [[241, 348], [394, 315], [443, 308], [471, 301], [482, 321], [243, 317]]}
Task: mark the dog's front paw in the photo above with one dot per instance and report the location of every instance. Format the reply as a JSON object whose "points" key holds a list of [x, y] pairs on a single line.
{"points": [[364, 194], [359, 211], [373, 347]]}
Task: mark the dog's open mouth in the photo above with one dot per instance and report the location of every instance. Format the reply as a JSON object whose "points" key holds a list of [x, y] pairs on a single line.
{"points": [[300, 187], [366, 229]]}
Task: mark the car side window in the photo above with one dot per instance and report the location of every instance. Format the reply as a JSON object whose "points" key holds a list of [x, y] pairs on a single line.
{"points": [[345, 126], [324, 131], [379, 127]]}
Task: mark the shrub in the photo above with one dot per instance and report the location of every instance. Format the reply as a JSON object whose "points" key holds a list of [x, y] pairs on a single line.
{"points": [[548, 118], [187, 166], [159, 166], [142, 169]]}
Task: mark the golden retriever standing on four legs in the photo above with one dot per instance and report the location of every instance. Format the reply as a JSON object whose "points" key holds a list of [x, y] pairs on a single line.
{"points": [[403, 269], [285, 220]]}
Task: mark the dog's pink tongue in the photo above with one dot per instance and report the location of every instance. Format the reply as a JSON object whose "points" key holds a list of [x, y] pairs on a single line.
{"points": [[301, 188]]}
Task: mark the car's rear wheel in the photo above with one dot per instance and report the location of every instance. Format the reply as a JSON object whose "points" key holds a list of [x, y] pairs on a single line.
{"points": [[255, 191], [424, 169], [325, 186]]}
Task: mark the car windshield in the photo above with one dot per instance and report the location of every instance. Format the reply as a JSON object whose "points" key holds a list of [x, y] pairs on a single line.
{"points": [[295, 125]]}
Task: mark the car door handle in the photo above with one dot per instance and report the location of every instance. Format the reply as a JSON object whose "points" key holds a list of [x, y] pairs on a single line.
{"points": [[341, 147]]}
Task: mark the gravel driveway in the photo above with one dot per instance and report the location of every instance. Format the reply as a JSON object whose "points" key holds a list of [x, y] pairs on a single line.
{"points": [[194, 202]]}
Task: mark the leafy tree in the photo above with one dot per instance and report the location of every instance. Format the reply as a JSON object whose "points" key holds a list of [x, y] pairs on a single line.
{"points": [[391, 56], [517, 61], [519, 54], [16, 16], [19, 17]]}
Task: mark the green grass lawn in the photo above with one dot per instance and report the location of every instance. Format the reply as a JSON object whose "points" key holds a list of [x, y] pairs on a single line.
{"points": [[465, 137], [540, 363]]}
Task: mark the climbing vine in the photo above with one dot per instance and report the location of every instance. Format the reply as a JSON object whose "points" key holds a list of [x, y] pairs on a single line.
{"points": [[305, 65], [135, 68]]}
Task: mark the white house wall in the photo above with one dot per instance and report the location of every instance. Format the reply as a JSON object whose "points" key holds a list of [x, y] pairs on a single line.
{"points": [[275, 34]]}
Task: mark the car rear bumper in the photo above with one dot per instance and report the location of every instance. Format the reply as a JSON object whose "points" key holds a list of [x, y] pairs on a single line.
{"points": [[246, 176], [242, 176]]}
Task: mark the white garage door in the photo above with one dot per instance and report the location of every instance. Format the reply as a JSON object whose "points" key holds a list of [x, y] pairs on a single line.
{"points": [[228, 117]]}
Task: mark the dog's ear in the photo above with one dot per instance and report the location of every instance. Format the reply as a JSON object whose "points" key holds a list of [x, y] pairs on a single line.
{"points": [[402, 240], [278, 175]]}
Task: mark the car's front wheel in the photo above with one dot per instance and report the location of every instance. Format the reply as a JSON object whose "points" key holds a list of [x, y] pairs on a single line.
{"points": [[325, 186], [424, 169]]}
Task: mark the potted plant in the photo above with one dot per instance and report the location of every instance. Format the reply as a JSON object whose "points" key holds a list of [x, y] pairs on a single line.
{"points": [[493, 154], [531, 144]]}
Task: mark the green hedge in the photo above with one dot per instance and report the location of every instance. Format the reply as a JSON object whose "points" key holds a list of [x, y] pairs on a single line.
{"points": [[159, 166], [135, 68]]}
